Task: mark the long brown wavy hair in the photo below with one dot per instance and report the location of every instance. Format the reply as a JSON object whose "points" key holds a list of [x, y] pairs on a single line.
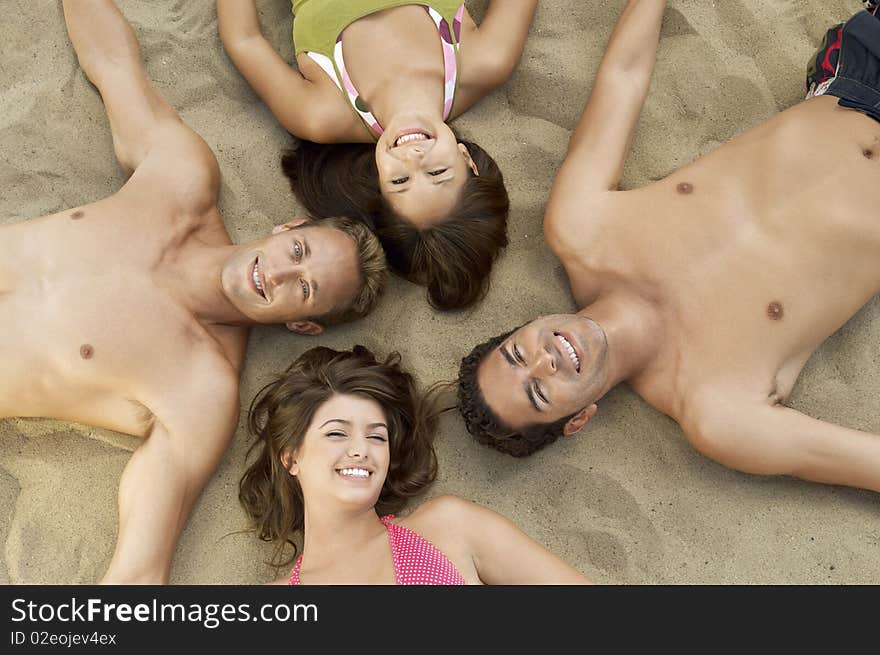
{"points": [[282, 411], [453, 258]]}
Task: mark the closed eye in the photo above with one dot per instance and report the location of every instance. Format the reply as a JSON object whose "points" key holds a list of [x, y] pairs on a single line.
{"points": [[539, 392], [377, 437], [518, 355], [336, 433]]}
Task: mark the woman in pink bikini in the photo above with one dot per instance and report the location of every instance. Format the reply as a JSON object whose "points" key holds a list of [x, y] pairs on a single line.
{"points": [[375, 83], [343, 441]]}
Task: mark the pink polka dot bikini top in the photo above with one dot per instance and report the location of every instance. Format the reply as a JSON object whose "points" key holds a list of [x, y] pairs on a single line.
{"points": [[416, 560]]}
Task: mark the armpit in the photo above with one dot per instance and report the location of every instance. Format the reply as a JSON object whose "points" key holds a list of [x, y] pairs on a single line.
{"points": [[145, 418]]}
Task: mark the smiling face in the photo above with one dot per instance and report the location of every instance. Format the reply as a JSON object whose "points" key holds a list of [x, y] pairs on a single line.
{"points": [[422, 169], [298, 273], [548, 369], [344, 454]]}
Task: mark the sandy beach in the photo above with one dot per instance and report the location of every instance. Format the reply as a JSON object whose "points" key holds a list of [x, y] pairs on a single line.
{"points": [[627, 500]]}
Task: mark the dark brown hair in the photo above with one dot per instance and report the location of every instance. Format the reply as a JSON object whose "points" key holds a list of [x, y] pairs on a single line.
{"points": [[484, 425], [282, 411], [452, 258]]}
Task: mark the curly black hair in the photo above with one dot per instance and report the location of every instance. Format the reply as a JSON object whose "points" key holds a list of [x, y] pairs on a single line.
{"points": [[484, 425]]}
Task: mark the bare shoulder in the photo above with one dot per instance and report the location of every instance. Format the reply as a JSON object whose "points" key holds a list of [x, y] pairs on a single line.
{"points": [[570, 210], [195, 390], [446, 510], [329, 118], [712, 415], [449, 522], [180, 169]]}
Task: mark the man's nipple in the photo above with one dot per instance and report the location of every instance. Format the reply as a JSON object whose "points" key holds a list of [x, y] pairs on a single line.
{"points": [[685, 188], [775, 311]]}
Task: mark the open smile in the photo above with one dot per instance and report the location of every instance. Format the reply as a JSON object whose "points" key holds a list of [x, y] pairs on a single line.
{"points": [[257, 280], [355, 473], [568, 351], [411, 136]]}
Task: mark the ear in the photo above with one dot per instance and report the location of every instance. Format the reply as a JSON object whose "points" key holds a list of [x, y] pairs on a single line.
{"points": [[467, 159], [579, 420], [305, 327], [289, 225], [288, 462]]}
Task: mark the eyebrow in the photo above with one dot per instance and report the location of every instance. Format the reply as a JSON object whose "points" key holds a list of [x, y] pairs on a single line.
{"points": [[343, 421]]}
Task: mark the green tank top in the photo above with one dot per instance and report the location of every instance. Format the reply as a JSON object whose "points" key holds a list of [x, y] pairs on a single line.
{"points": [[319, 23]]}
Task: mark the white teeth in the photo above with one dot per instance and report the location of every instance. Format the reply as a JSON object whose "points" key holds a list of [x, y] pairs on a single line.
{"points": [[358, 473], [256, 276], [409, 138], [571, 353]]}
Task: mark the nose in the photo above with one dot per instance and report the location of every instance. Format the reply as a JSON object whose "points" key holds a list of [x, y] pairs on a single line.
{"points": [[280, 274], [415, 153], [356, 449], [544, 363]]}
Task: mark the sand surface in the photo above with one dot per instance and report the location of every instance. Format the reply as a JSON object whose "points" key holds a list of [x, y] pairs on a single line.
{"points": [[628, 501]]}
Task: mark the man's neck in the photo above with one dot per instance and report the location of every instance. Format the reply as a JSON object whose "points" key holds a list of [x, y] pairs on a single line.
{"points": [[196, 277], [633, 328]]}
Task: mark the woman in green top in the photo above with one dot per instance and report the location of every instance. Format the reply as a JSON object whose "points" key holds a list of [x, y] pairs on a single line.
{"points": [[392, 72]]}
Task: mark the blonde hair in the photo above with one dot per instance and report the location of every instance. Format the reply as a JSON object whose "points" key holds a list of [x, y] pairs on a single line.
{"points": [[372, 269]]}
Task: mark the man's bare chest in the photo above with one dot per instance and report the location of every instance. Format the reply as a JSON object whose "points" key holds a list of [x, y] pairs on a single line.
{"points": [[87, 330], [89, 347]]}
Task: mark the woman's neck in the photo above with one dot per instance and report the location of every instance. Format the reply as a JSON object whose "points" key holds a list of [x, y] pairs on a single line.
{"points": [[401, 98], [329, 535]]}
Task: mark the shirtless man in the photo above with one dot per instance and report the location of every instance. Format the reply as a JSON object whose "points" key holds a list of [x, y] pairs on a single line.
{"points": [[707, 291], [131, 313]]}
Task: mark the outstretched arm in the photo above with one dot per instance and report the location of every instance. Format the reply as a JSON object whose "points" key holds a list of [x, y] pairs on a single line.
{"points": [[288, 94], [166, 474], [768, 439], [600, 142], [143, 124], [501, 552], [500, 39]]}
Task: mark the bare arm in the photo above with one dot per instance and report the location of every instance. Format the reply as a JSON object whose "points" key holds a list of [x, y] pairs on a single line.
{"points": [[601, 140], [500, 39], [501, 552], [288, 94], [194, 423], [764, 439], [143, 124]]}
